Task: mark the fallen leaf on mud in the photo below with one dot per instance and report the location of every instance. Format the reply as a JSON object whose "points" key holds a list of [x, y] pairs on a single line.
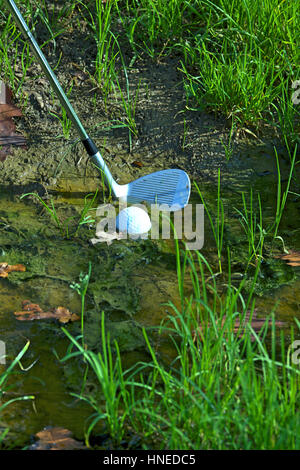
{"points": [[34, 312], [56, 438], [8, 136], [292, 258], [239, 327], [137, 164], [5, 268]]}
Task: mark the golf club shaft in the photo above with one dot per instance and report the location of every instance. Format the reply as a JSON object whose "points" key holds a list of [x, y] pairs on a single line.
{"points": [[86, 140], [46, 68]]}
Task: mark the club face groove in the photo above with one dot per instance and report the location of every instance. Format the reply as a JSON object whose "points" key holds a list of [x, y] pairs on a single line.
{"points": [[170, 188]]}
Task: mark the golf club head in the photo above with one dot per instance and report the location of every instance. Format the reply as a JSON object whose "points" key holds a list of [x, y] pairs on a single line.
{"points": [[169, 187]]}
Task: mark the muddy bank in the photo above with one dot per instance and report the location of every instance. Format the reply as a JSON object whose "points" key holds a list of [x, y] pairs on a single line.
{"points": [[169, 135]]}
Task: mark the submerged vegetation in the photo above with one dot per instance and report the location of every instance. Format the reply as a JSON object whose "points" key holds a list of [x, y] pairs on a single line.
{"points": [[66, 228], [224, 386]]}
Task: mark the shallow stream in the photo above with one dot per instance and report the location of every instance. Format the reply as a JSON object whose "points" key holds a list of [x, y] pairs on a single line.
{"points": [[131, 282]]}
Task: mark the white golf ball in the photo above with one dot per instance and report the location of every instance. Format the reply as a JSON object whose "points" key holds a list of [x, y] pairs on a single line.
{"points": [[133, 220]]}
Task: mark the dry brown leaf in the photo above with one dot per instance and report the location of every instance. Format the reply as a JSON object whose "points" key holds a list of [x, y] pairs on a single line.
{"points": [[239, 327], [8, 136], [292, 258], [5, 268], [137, 164], [56, 438], [64, 315], [32, 311]]}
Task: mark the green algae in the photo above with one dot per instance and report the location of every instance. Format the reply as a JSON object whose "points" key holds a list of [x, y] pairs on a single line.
{"points": [[52, 264]]}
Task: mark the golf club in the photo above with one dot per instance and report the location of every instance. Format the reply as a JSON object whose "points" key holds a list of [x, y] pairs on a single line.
{"points": [[169, 187]]}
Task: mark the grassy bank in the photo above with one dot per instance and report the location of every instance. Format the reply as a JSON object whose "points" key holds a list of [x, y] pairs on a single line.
{"points": [[239, 59]]}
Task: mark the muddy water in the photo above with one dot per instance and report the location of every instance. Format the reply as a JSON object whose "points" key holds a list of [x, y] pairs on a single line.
{"points": [[131, 281]]}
